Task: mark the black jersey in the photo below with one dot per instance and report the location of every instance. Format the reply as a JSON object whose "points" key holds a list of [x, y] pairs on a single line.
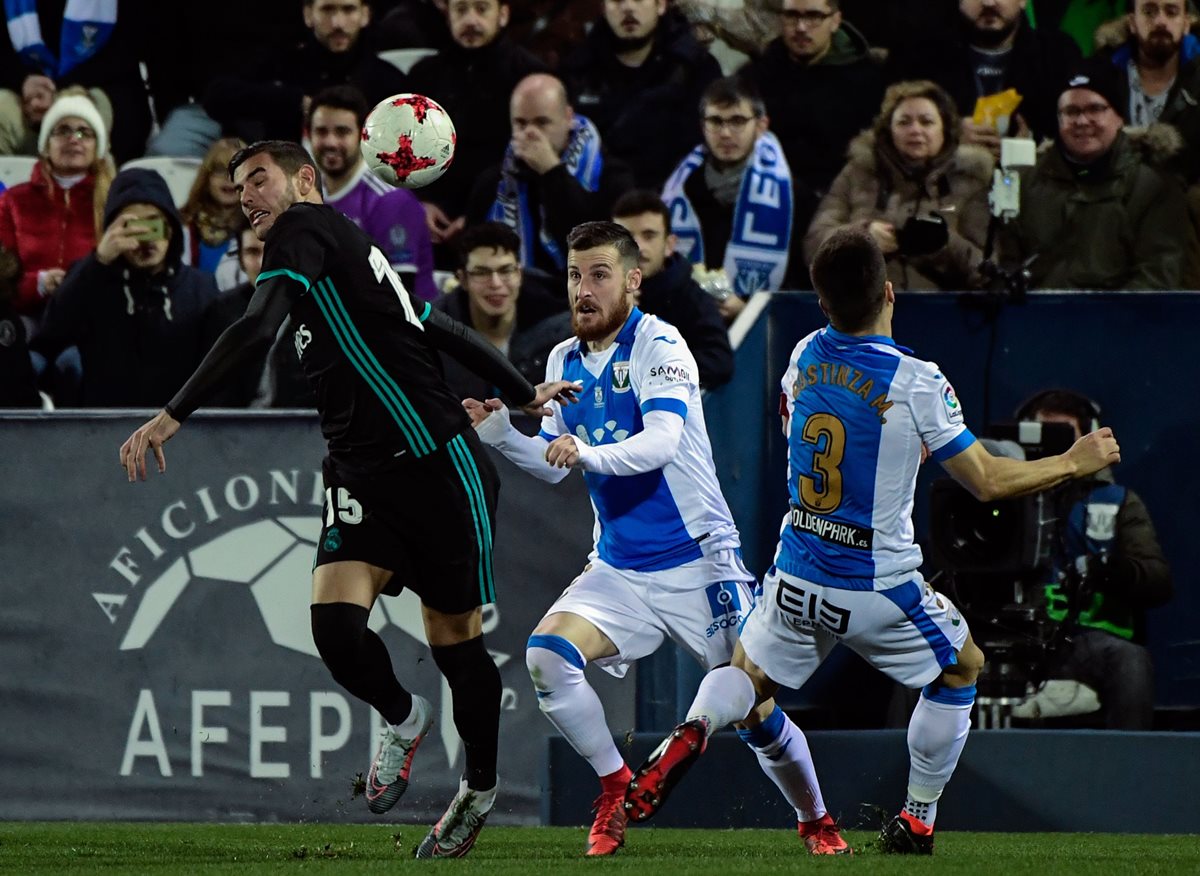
{"points": [[361, 341]]}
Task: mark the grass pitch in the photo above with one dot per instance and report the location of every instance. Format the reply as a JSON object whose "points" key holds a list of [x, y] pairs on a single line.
{"points": [[64, 847]]}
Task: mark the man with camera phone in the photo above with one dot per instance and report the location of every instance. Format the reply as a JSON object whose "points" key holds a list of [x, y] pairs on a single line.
{"points": [[861, 413]]}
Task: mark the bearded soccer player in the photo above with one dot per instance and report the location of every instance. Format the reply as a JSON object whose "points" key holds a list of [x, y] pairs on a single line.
{"points": [[667, 558], [394, 432]]}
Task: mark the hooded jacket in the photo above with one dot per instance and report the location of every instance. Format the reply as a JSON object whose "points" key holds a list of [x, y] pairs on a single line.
{"points": [[1116, 224], [874, 186], [140, 335]]}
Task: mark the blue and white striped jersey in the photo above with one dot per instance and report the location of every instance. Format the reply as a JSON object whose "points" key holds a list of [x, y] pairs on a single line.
{"points": [[858, 410], [663, 518]]}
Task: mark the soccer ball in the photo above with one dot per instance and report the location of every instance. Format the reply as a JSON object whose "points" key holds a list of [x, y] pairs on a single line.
{"points": [[408, 140]]}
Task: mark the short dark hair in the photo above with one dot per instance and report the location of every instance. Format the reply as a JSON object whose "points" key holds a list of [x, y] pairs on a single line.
{"points": [[730, 90], [343, 97], [590, 235], [288, 155], [492, 235], [635, 202], [848, 273], [1084, 411]]}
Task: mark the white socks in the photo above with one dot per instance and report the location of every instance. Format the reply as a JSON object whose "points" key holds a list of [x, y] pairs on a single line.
{"points": [[416, 718], [937, 733], [784, 756], [726, 695], [565, 697]]}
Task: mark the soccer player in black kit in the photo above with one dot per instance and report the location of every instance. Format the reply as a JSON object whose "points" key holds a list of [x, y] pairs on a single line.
{"points": [[410, 495]]}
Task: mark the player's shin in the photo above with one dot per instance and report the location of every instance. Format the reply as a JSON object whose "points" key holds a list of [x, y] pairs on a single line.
{"points": [[565, 697], [357, 658], [937, 733], [783, 753], [476, 688]]}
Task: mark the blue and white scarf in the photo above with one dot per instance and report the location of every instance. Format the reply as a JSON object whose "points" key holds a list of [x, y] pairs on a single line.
{"points": [[86, 27], [756, 256], [583, 161]]}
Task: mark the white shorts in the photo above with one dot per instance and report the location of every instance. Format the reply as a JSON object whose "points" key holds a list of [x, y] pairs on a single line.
{"points": [[699, 605], [910, 632]]}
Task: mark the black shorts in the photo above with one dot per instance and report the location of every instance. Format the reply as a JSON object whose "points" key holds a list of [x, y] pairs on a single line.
{"points": [[430, 522]]}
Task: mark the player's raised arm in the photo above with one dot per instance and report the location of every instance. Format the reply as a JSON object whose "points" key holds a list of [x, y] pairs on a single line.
{"points": [[255, 331], [989, 477]]}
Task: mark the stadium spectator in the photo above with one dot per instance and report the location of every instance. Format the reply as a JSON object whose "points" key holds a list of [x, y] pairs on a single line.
{"points": [[554, 176], [1160, 57], [522, 319], [99, 45], [820, 84], [1079, 19], [18, 386], [480, 63], [413, 24], [273, 102], [668, 289], [995, 49], [918, 191], [734, 205], [211, 214], [226, 309], [638, 76], [1109, 539], [55, 218], [392, 217], [552, 29], [133, 309], [667, 557], [21, 114], [1096, 213]]}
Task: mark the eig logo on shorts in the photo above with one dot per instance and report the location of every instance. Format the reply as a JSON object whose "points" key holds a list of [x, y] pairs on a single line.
{"points": [[258, 532]]}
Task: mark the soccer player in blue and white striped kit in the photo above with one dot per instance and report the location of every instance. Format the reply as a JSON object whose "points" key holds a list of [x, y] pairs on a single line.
{"points": [[861, 414], [667, 554]]}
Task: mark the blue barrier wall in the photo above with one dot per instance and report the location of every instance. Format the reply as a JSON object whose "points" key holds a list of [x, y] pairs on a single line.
{"points": [[1124, 350]]}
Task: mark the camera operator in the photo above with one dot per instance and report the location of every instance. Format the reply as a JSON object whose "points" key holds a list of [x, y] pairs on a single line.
{"points": [[1109, 569]]}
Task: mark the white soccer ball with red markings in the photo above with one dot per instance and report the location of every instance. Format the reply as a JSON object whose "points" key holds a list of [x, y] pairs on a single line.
{"points": [[408, 140]]}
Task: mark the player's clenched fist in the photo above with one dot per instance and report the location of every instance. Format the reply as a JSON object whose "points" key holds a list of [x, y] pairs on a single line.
{"points": [[1094, 451]]}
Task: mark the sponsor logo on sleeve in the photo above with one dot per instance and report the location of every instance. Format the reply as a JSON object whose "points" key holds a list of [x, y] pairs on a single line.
{"points": [[950, 400], [673, 373]]}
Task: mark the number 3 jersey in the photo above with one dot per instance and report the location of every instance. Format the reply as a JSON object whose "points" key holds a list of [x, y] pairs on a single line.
{"points": [[361, 342], [857, 411], [663, 518]]}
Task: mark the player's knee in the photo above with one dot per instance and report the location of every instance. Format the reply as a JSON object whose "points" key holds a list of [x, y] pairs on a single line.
{"points": [[553, 662], [337, 630], [467, 665], [969, 665]]}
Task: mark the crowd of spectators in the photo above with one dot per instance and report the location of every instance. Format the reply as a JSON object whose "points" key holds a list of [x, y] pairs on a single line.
{"points": [[887, 115]]}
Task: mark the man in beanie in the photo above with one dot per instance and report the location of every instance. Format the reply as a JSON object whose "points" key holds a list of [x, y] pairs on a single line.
{"points": [[1096, 212], [132, 307]]}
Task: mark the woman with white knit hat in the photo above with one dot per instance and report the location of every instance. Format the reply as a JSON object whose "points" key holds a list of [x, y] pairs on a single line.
{"points": [[56, 218]]}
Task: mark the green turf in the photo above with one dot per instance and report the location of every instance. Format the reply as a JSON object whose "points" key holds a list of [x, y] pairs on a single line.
{"points": [[196, 848]]}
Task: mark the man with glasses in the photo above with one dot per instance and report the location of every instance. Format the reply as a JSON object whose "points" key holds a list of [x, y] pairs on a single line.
{"points": [[996, 49], [518, 315], [821, 85], [734, 205], [1095, 211]]}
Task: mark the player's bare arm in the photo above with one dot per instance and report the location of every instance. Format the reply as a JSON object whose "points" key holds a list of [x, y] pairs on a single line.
{"points": [[989, 477], [268, 308]]}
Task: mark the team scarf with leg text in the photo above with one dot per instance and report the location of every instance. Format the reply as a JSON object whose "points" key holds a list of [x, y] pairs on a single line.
{"points": [[583, 161], [756, 255], [86, 27]]}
